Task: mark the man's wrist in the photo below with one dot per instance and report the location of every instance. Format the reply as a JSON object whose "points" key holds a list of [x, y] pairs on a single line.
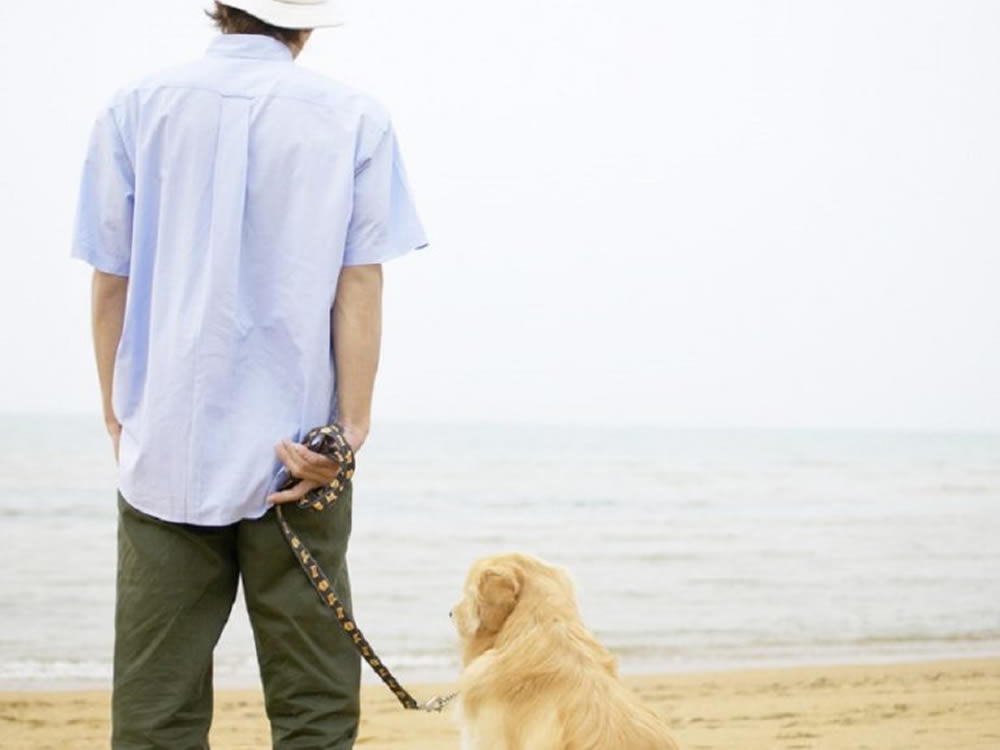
{"points": [[355, 432]]}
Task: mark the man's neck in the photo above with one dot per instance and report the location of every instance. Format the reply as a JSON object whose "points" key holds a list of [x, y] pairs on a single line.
{"points": [[296, 46]]}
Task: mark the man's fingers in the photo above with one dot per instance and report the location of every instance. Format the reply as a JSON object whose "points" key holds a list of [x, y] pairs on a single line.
{"points": [[303, 463], [312, 458], [290, 459], [293, 494], [312, 465], [304, 454]]}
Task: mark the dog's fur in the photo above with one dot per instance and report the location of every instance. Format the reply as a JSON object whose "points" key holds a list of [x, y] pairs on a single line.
{"points": [[534, 677]]}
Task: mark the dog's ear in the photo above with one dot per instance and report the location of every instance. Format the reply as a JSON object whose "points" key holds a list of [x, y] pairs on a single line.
{"points": [[496, 597]]}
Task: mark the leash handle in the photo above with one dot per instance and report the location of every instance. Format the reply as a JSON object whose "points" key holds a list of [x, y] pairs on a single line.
{"points": [[331, 442]]}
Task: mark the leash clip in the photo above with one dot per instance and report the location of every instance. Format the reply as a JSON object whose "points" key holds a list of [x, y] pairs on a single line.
{"points": [[437, 703]]}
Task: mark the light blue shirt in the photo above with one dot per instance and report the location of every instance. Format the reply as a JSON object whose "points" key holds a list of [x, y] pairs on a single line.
{"points": [[231, 191]]}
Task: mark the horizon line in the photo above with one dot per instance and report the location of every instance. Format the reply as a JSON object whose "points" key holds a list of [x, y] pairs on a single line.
{"points": [[635, 424]]}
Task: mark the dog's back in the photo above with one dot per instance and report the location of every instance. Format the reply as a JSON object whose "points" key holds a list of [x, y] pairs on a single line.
{"points": [[588, 708]]}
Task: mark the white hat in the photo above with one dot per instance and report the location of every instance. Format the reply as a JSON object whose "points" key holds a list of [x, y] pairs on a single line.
{"points": [[292, 14]]}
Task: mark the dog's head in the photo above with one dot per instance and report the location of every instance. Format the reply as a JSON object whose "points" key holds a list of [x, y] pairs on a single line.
{"points": [[507, 595], [490, 594]]}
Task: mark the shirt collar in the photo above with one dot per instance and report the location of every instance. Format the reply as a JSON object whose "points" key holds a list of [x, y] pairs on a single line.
{"points": [[254, 46]]}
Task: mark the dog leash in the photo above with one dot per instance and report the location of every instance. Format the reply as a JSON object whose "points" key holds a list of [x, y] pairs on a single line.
{"points": [[330, 442]]}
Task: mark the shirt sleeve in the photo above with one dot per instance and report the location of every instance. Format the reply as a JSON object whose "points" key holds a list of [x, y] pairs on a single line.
{"points": [[103, 233], [384, 222]]}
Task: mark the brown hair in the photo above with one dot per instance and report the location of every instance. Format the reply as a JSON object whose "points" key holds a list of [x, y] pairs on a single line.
{"points": [[234, 21]]}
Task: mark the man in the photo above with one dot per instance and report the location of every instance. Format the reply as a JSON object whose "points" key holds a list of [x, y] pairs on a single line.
{"points": [[236, 211]]}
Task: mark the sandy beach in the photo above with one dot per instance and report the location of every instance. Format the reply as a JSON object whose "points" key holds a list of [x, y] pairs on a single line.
{"points": [[953, 704]]}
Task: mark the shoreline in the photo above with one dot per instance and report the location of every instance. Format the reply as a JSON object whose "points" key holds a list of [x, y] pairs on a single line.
{"points": [[437, 677], [921, 705]]}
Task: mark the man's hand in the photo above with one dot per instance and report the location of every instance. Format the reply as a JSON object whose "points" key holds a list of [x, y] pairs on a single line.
{"points": [[115, 431], [311, 468]]}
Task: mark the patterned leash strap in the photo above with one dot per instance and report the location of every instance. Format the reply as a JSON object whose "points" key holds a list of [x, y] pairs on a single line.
{"points": [[330, 441]]}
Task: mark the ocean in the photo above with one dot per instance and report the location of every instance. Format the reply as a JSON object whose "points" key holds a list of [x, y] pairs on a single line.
{"points": [[691, 549]]}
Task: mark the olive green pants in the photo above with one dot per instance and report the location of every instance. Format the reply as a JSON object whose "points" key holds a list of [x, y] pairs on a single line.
{"points": [[176, 586]]}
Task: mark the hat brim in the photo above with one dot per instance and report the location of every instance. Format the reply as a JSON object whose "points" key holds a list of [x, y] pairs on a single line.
{"points": [[292, 15]]}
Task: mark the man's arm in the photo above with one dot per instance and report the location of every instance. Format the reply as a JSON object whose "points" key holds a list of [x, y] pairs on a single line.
{"points": [[108, 316], [357, 339]]}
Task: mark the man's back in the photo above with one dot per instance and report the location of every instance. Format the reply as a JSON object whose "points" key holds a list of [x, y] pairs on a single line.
{"points": [[231, 191]]}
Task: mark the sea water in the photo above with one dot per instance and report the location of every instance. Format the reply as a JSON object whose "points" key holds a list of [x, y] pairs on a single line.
{"points": [[691, 549]]}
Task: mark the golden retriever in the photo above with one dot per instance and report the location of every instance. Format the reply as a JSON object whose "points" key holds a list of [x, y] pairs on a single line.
{"points": [[534, 678]]}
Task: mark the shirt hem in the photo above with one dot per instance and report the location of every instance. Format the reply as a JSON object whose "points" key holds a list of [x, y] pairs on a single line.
{"points": [[154, 508], [102, 264], [398, 251]]}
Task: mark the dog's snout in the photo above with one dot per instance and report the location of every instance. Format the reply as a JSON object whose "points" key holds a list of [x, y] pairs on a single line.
{"points": [[451, 613]]}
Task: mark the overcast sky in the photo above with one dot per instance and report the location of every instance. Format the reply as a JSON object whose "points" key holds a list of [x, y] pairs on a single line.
{"points": [[699, 213]]}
